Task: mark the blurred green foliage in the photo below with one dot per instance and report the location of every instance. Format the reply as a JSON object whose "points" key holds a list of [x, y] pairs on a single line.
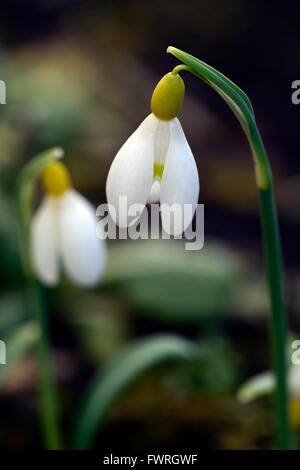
{"points": [[165, 282]]}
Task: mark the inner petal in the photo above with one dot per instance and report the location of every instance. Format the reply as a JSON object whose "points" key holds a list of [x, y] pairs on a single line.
{"points": [[154, 195], [161, 145]]}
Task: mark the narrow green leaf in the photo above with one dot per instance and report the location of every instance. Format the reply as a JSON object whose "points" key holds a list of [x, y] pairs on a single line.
{"points": [[121, 372], [17, 345]]}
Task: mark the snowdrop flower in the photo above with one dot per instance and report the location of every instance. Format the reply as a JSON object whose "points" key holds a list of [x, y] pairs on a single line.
{"points": [[265, 383], [63, 230], [156, 162]]}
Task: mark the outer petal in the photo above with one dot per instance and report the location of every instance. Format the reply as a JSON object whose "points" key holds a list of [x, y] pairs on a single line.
{"points": [[180, 182], [83, 254], [131, 172], [43, 242]]}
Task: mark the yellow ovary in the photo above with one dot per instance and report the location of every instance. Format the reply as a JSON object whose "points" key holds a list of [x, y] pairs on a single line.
{"points": [[167, 97], [55, 179]]}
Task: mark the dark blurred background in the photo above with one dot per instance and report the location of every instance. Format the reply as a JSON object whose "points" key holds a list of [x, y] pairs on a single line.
{"points": [[80, 75]]}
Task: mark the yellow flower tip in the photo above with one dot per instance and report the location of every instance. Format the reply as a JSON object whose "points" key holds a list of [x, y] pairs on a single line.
{"points": [[168, 97], [55, 179], [294, 412]]}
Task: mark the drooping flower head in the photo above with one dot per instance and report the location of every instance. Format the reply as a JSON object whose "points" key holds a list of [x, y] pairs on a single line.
{"points": [[156, 162], [63, 231]]}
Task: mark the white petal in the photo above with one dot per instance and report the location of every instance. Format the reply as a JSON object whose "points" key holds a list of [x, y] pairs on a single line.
{"points": [[258, 386], [131, 172], [83, 253], [43, 242], [154, 195], [180, 181], [161, 141]]}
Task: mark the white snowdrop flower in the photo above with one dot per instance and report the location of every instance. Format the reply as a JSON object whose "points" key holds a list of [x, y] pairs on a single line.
{"points": [[63, 231], [156, 162], [265, 384]]}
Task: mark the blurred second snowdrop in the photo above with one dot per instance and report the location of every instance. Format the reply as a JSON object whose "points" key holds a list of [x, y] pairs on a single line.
{"points": [[64, 229]]}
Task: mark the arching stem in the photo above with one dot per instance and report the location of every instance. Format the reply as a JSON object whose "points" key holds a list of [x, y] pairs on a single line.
{"points": [[243, 110]]}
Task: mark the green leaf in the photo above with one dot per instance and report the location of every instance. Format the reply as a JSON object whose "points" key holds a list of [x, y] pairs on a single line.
{"points": [[165, 282], [119, 374], [24, 190], [17, 345]]}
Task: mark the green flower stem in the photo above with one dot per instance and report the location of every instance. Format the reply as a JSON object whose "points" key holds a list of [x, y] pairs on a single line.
{"points": [[179, 68], [272, 250], [243, 110], [278, 323], [48, 397]]}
